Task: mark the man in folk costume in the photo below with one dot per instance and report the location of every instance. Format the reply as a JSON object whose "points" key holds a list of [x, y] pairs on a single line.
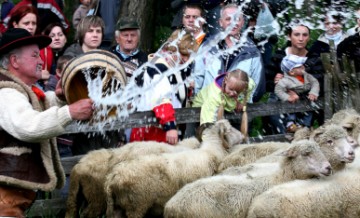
{"points": [[29, 121]]}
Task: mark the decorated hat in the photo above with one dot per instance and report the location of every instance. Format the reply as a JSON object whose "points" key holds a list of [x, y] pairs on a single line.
{"points": [[127, 23], [18, 37], [290, 61]]}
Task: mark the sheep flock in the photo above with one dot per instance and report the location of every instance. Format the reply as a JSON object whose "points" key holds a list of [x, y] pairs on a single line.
{"points": [[317, 174]]}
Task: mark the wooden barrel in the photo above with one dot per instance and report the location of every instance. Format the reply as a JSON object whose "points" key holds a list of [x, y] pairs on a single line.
{"points": [[108, 64]]}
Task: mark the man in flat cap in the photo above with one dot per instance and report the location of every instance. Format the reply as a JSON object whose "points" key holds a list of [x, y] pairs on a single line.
{"points": [[127, 49], [29, 121]]}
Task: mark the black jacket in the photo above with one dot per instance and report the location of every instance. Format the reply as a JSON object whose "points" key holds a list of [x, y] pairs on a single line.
{"points": [[351, 48]]}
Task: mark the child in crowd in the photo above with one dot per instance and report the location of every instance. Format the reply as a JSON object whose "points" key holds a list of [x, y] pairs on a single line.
{"points": [[81, 12], [230, 92], [295, 84], [50, 85]]}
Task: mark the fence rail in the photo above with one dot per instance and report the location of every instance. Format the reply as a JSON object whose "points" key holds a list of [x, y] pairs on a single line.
{"points": [[192, 115]]}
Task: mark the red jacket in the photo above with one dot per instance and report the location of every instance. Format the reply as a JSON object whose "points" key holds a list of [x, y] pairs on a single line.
{"points": [[47, 56]]}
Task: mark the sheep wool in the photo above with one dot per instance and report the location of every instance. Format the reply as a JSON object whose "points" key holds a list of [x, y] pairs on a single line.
{"points": [[249, 153], [145, 184], [334, 196], [87, 177], [337, 146], [302, 133], [349, 119], [225, 196]]}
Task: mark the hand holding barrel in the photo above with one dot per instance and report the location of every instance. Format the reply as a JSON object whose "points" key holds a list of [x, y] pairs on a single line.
{"points": [[82, 109]]}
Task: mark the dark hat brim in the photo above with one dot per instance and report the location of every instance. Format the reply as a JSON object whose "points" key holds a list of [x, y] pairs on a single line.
{"points": [[40, 40]]}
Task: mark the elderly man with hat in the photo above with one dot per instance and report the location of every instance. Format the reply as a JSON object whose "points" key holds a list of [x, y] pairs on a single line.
{"points": [[29, 121], [127, 49]]}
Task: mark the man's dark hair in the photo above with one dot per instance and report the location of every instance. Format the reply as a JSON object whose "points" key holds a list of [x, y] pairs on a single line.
{"points": [[195, 6]]}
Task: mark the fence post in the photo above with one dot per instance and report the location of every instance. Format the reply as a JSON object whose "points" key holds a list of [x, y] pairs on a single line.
{"points": [[351, 82], [328, 86]]}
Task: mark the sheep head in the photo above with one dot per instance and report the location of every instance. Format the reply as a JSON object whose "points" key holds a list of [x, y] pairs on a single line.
{"points": [[334, 141], [349, 119], [229, 135], [305, 159], [339, 116], [302, 133], [352, 126]]}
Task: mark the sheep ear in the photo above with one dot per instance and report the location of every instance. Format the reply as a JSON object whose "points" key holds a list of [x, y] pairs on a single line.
{"points": [[222, 134], [347, 125], [291, 152], [316, 133]]}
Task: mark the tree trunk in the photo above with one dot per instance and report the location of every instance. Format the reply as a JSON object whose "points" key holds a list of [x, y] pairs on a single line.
{"points": [[144, 12]]}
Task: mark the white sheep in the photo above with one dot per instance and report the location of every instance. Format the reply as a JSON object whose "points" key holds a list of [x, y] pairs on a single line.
{"points": [[301, 133], [249, 153], [225, 196], [335, 196], [148, 182], [339, 116], [335, 143], [333, 140], [87, 177], [349, 119]]}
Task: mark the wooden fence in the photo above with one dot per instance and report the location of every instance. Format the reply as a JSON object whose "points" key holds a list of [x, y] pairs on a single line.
{"points": [[335, 83]]}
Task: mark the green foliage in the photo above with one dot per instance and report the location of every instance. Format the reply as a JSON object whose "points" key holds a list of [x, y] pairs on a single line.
{"points": [[161, 34], [69, 8], [256, 124], [163, 23], [312, 13]]}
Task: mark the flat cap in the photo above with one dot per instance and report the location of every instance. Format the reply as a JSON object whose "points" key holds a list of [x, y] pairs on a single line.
{"points": [[127, 23]]}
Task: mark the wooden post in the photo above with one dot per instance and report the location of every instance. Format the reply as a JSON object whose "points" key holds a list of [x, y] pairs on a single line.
{"points": [[337, 79], [351, 83], [328, 86]]}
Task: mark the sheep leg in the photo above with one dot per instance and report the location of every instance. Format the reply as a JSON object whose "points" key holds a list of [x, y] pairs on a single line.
{"points": [[72, 201], [96, 199], [110, 202]]}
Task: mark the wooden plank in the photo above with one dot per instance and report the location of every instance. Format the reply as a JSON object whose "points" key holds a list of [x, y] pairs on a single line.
{"points": [[274, 138], [191, 115]]}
